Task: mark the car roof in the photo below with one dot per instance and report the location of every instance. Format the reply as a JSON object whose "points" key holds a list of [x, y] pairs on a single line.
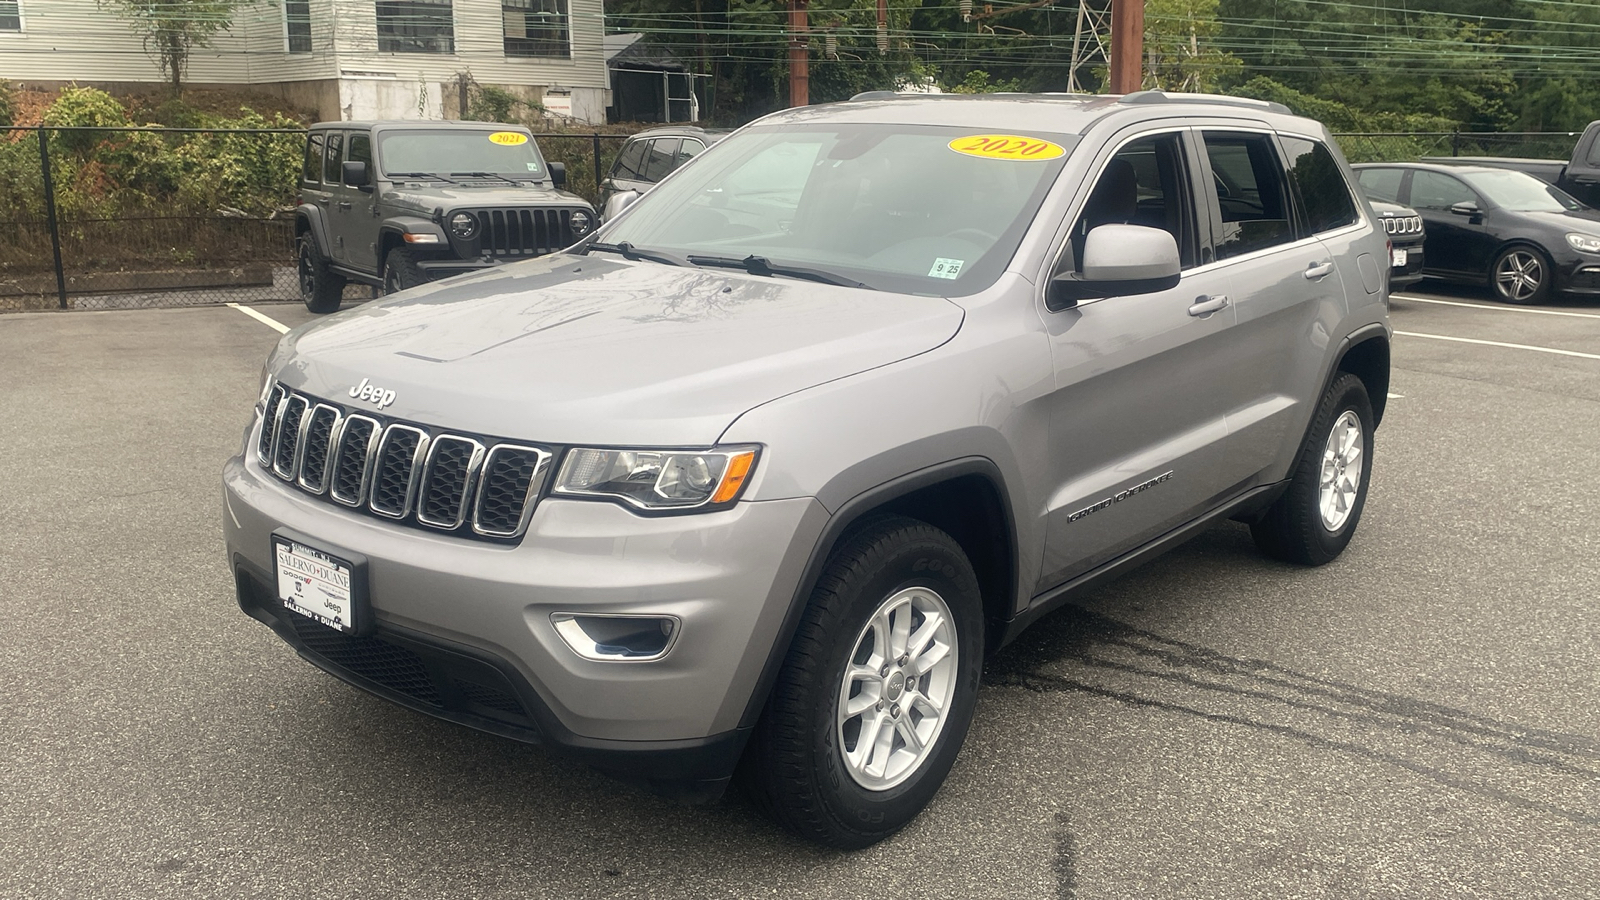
{"points": [[418, 123], [1430, 167], [1064, 113], [710, 134]]}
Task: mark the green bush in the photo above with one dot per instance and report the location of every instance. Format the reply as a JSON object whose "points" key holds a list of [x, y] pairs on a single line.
{"points": [[8, 103]]}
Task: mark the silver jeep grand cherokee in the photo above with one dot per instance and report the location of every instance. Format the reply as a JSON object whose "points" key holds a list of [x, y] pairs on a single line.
{"points": [[755, 476]]}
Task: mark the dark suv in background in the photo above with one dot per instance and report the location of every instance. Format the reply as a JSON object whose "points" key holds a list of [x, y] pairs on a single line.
{"points": [[648, 157], [395, 204]]}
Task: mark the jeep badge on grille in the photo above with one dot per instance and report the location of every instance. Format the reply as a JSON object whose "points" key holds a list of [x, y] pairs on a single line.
{"points": [[373, 394]]}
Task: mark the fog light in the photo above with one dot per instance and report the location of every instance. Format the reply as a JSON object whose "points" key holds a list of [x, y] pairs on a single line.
{"points": [[617, 638]]}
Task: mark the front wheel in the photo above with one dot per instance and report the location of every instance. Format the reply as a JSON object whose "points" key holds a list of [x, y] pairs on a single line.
{"points": [[320, 289], [1521, 275], [875, 696], [400, 271], [1313, 521]]}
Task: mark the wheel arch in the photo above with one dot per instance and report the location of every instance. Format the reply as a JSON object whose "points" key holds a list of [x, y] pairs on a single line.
{"points": [[308, 219], [965, 498], [1366, 356]]}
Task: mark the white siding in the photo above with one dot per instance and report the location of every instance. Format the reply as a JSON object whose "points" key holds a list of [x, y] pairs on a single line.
{"points": [[79, 40]]}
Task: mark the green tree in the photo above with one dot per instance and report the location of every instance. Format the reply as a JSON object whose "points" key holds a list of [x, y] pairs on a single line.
{"points": [[1180, 46], [172, 29]]}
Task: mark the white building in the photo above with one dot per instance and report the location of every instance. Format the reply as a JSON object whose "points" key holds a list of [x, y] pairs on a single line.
{"points": [[346, 59]]}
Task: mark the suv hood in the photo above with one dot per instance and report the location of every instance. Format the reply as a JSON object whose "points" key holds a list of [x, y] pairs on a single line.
{"points": [[573, 349], [427, 199]]}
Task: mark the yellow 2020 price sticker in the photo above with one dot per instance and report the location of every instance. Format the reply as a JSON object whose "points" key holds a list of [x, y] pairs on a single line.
{"points": [[508, 138], [1006, 146]]}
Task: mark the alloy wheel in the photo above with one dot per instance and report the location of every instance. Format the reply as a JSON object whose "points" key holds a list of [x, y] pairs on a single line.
{"points": [[897, 689], [1519, 275], [308, 274], [1341, 471]]}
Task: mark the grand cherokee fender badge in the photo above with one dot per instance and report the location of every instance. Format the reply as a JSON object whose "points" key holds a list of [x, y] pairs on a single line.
{"points": [[373, 394], [1120, 496]]}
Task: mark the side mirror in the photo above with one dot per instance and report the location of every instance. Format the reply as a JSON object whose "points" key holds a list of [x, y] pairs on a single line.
{"points": [[616, 203], [355, 174], [1119, 260], [558, 174], [1466, 208]]}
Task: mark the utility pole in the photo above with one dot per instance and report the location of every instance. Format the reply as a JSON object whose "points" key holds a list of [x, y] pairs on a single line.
{"points": [[799, 55], [1127, 46]]}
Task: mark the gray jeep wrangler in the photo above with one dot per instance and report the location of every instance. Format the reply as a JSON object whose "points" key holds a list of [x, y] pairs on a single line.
{"points": [[397, 204]]}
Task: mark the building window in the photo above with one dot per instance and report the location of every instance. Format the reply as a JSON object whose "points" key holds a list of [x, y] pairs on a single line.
{"points": [[416, 26], [10, 15], [536, 27], [297, 25]]}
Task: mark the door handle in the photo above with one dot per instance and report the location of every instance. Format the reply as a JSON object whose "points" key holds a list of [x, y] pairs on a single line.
{"points": [[1206, 305], [1318, 270], [344, 204], [323, 201]]}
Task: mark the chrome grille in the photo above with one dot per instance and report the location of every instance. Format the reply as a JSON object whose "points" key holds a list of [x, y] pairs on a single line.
{"points": [[408, 473], [1402, 224], [523, 232], [394, 472]]}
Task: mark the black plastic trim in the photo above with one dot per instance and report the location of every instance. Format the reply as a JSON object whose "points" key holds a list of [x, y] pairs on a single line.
{"points": [[838, 525]]}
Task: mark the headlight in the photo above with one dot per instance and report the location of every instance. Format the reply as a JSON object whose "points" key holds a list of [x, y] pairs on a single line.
{"points": [[463, 225], [1584, 242], [581, 223], [657, 479]]}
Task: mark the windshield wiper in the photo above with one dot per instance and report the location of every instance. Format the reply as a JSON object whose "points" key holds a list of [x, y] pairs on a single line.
{"points": [[629, 251], [485, 175], [760, 265], [433, 175]]}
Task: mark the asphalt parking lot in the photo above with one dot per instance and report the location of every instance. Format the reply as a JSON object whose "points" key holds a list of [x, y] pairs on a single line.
{"points": [[1419, 718]]}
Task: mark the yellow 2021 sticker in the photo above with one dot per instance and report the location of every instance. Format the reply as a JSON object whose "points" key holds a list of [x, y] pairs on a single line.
{"points": [[508, 138], [1006, 146]]}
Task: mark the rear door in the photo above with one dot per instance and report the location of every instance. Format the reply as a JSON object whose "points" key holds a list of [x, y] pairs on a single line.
{"points": [[1287, 295], [1137, 429]]}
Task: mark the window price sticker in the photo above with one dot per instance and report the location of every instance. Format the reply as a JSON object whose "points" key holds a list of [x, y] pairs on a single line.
{"points": [[946, 268], [1006, 146]]}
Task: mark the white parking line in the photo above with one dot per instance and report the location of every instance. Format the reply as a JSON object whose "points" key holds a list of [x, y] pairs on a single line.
{"points": [[1462, 340], [1514, 309], [263, 319]]}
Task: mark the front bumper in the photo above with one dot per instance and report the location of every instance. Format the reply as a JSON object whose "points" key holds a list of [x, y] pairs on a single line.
{"points": [[1579, 277], [462, 628], [1411, 272]]}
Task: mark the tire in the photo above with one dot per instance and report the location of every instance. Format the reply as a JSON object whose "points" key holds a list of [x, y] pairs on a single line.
{"points": [[400, 271], [799, 764], [1521, 274], [1310, 524], [321, 289]]}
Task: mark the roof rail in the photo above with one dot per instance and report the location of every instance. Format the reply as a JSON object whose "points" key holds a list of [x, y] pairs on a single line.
{"points": [[1141, 97]]}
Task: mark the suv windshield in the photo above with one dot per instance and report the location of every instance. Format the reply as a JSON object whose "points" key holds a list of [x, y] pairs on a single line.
{"points": [[1520, 191], [916, 209], [461, 151]]}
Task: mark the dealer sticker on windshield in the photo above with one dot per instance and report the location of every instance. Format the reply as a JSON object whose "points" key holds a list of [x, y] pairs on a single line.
{"points": [[1006, 146], [508, 138], [946, 268]]}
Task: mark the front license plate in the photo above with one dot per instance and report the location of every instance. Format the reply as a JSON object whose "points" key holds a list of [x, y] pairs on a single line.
{"points": [[315, 584], [1397, 258]]}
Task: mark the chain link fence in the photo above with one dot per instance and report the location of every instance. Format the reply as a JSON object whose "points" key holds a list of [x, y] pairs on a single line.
{"points": [[118, 218], [122, 218]]}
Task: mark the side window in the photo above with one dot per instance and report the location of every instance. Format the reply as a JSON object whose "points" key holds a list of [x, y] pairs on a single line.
{"points": [[661, 158], [360, 148], [630, 163], [311, 172], [1324, 194], [1594, 151], [1381, 184], [1249, 191], [688, 151], [1434, 190], [1145, 183], [334, 156]]}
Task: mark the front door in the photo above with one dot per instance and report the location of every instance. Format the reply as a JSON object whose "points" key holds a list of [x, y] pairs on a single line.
{"points": [[1137, 429], [336, 201], [361, 218], [1455, 243]]}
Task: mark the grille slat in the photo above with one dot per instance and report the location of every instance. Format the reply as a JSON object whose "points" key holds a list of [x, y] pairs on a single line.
{"points": [[290, 425], [511, 478], [448, 482]]}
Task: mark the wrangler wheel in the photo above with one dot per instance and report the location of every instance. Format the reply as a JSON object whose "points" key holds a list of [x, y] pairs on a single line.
{"points": [[321, 289]]}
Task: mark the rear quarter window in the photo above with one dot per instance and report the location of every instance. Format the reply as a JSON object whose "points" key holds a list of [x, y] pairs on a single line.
{"points": [[1324, 194]]}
